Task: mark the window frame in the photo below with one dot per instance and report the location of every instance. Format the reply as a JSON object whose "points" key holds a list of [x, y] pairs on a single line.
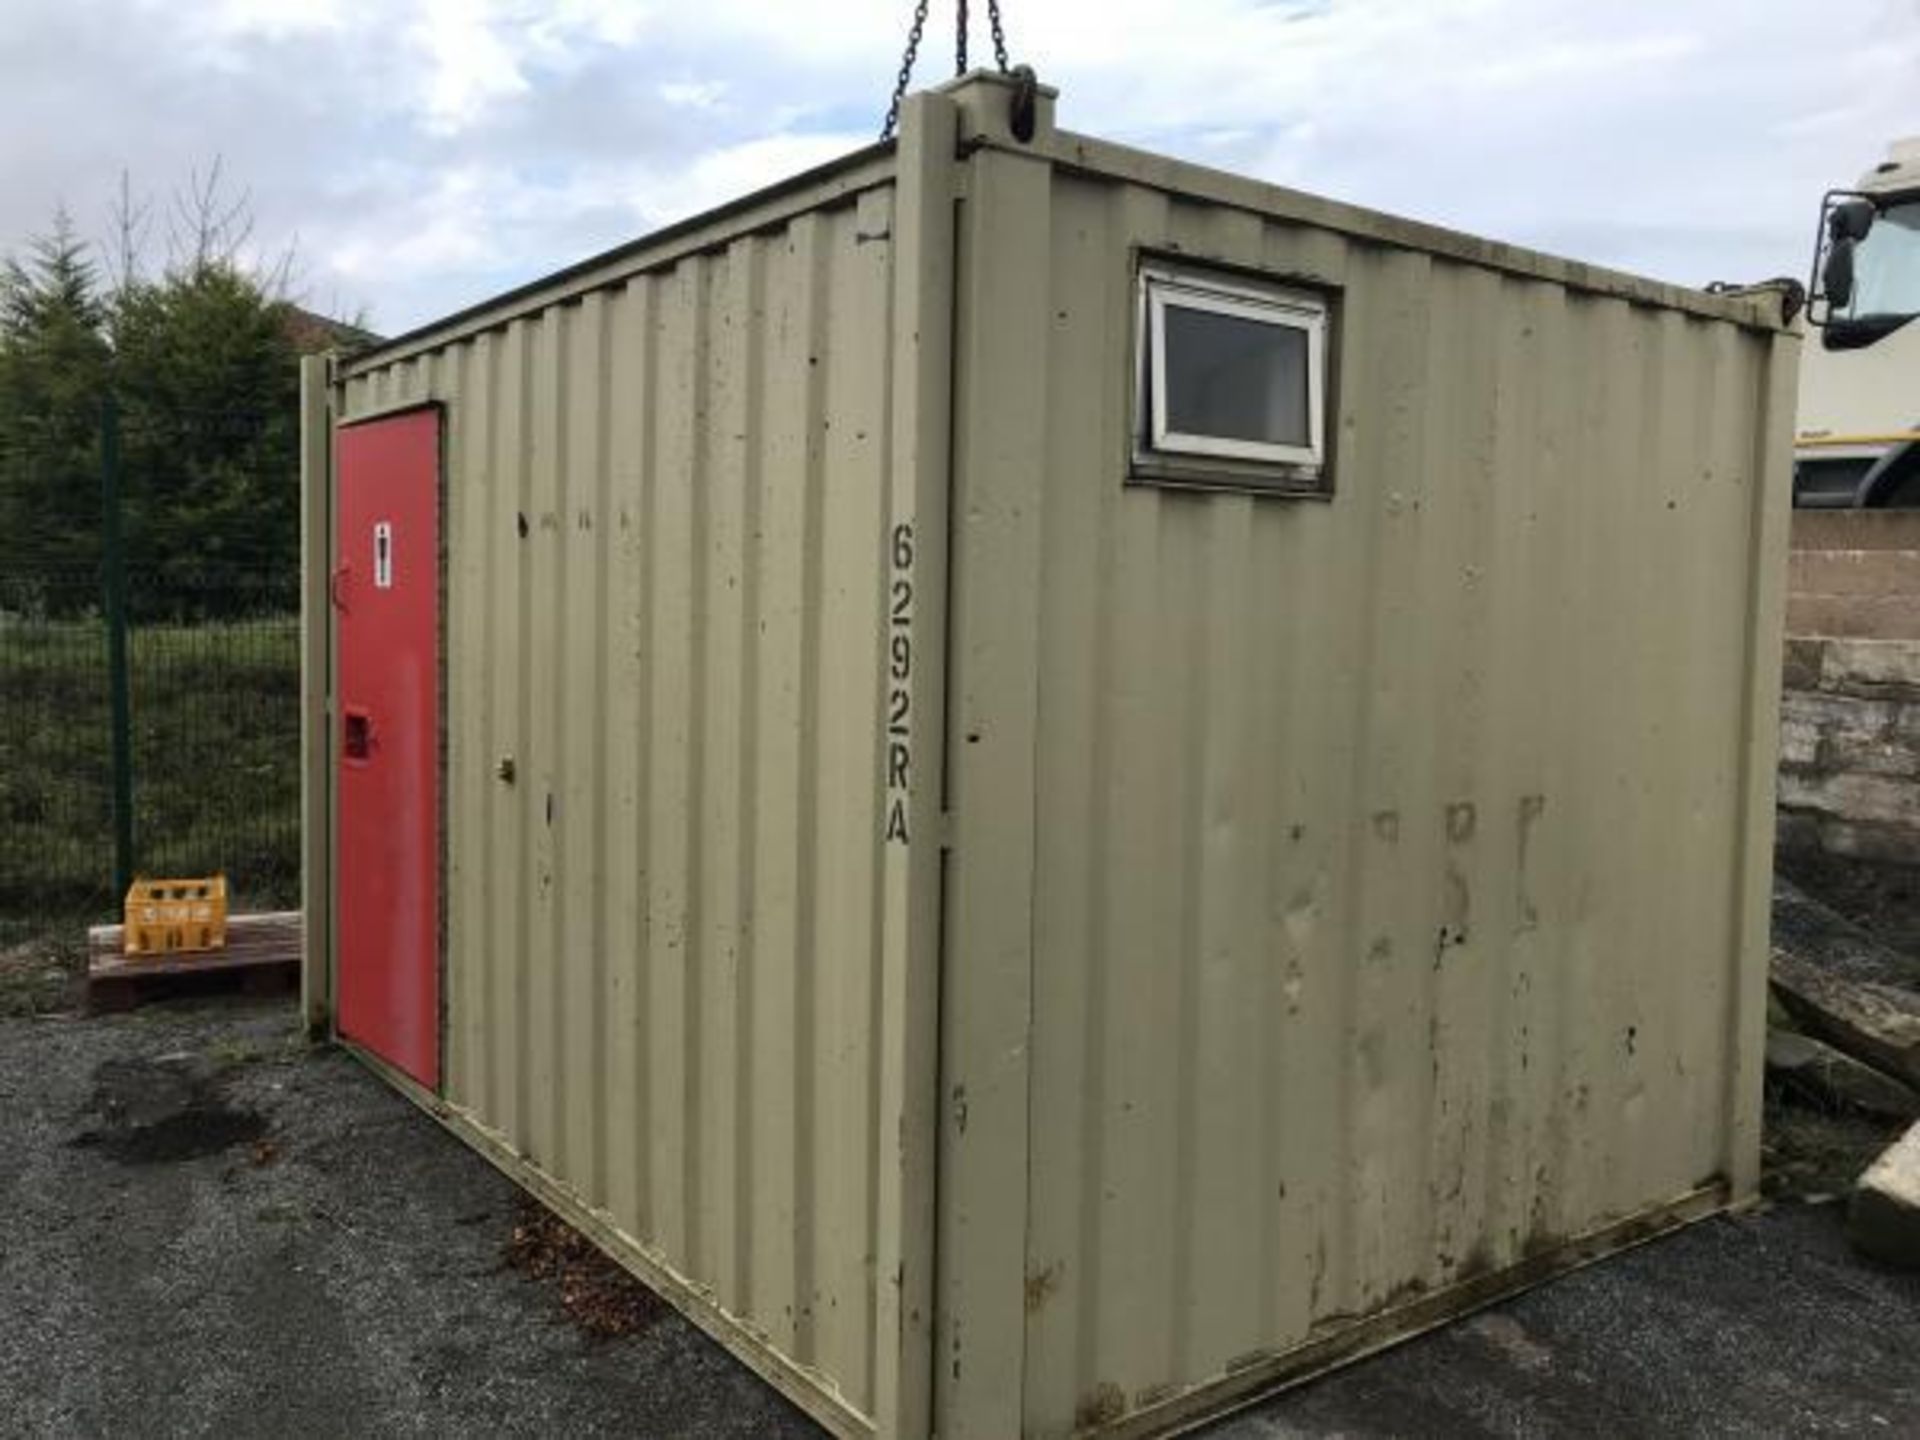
{"points": [[1161, 455]]}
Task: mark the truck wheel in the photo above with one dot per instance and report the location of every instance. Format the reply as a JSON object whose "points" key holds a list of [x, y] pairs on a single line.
{"points": [[1895, 484]]}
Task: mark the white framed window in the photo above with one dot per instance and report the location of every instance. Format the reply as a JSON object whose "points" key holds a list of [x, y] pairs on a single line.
{"points": [[1232, 379]]}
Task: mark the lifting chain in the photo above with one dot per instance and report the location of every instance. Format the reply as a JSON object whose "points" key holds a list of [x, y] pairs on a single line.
{"points": [[961, 26], [999, 36], [906, 69]]}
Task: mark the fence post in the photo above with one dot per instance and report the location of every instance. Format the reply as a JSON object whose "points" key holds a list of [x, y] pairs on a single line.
{"points": [[113, 572]]}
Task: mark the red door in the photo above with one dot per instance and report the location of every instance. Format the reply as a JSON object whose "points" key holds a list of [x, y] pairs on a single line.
{"points": [[386, 596]]}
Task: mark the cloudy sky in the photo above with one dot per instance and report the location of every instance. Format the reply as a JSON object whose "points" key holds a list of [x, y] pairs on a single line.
{"points": [[426, 153]]}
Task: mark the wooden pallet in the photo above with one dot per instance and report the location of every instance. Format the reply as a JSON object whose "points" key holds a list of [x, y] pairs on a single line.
{"points": [[261, 957]]}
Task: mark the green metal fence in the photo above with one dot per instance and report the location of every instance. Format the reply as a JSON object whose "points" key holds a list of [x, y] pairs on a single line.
{"points": [[149, 714], [56, 799]]}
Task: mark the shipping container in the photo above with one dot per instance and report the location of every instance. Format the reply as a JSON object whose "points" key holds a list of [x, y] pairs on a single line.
{"points": [[1051, 787]]}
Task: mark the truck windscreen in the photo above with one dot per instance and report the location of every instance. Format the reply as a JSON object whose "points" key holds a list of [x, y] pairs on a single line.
{"points": [[1886, 287]]}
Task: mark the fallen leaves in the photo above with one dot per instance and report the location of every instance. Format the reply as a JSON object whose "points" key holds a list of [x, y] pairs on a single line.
{"points": [[598, 1296]]}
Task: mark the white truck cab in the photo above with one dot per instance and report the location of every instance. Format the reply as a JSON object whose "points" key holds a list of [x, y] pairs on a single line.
{"points": [[1859, 411]]}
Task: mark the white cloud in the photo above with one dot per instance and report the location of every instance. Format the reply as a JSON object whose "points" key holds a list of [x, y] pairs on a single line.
{"points": [[468, 58], [452, 226], [617, 23], [275, 19], [432, 151], [694, 94], [723, 175]]}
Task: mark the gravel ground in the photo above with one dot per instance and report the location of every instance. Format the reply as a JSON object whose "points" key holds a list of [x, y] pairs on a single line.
{"points": [[1748, 1326], [211, 1229]]}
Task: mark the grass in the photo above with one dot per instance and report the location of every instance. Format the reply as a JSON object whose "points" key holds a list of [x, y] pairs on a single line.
{"points": [[39, 976], [216, 742], [235, 1051]]}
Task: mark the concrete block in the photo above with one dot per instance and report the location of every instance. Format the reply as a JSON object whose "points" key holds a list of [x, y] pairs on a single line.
{"points": [[1841, 573], [1876, 1023], [1860, 735], [1903, 723], [1867, 840], [1799, 739], [1846, 725], [1796, 792], [1883, 1219], [1883, 799], [1869, 617], [1801, 662], [1872, 666], [1855, 530]]}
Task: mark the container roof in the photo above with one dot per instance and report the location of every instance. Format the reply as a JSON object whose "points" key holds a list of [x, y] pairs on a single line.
{"points": [[871, 165], [847, 175]]}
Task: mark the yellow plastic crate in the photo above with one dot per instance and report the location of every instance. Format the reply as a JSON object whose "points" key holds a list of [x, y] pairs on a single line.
{"points": [[172, 917]]}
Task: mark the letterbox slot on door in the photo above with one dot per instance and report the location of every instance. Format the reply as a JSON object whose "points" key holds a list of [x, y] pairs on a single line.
{"points": [[357, 735]]}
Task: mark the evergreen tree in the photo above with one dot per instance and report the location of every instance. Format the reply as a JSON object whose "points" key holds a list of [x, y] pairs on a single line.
{"points": [[201, 361], [205, 369], [54, 361]]}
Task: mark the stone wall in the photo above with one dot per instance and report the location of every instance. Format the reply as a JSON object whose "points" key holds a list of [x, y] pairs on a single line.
{"points": [[1850, 712]]}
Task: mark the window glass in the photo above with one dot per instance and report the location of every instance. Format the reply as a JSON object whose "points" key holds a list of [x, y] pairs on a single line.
{"points": [[1235, 378], [1887, 265]]}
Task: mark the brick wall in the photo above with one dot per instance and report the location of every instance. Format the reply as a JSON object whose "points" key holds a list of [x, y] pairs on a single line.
{"points": [[1850, 712]]}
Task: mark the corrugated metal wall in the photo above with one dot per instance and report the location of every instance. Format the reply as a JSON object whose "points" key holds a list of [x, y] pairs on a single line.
{"points": [[1320, 903], [667, 513], [1390, 913]]}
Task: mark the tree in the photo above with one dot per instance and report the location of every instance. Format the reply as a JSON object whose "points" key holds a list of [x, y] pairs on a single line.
{"points": [[200, 359], [54, 361], [206, 374]]}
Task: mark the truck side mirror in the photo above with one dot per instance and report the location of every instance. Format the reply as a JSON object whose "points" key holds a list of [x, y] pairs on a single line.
{"points": [[1836, 278], [1845, 220]]}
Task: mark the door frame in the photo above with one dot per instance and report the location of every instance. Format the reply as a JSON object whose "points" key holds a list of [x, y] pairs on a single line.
{"points": [[320, 629]]}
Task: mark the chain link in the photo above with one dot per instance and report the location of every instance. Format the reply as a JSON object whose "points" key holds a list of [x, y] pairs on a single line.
{"points": [[906, 70], [918, 28], [999, 36]]}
